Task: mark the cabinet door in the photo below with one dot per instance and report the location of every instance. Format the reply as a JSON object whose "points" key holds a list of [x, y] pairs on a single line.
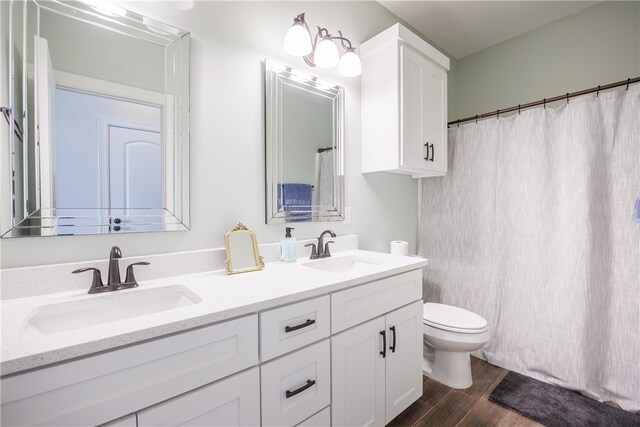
{"points": [[423, 110], [435, 115], [357, 376], [234, 401], [404, 358]]}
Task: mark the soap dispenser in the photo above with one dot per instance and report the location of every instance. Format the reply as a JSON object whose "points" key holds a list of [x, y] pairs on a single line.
{"points": [[288, 250]]}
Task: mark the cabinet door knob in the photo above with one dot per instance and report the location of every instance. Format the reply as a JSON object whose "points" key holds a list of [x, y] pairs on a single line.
{"points": [[384, 344], [393, 341]]}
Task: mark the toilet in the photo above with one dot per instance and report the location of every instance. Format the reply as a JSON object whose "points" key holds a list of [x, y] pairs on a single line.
{"points": [[450, 334]]}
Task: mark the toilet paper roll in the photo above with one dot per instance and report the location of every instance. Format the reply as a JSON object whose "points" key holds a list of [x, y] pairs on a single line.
{"points": [[399, 247]]}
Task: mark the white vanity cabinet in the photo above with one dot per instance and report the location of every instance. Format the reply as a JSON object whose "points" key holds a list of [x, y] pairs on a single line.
{"points": [[377, 368], [351, 357], [404, 105]]}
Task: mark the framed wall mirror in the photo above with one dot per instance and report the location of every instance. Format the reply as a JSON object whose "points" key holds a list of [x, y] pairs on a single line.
{"points": [[98, 120], [304, 147]]}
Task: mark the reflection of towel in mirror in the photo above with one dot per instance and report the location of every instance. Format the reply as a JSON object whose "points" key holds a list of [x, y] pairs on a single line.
{"points": [[296, 199], [324, 178]]}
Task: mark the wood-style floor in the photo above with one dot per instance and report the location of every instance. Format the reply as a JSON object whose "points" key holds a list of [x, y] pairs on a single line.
{"points": [[442, 406]]}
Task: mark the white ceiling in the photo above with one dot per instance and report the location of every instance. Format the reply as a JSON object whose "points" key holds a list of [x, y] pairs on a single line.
{"points": [[464, 27]]}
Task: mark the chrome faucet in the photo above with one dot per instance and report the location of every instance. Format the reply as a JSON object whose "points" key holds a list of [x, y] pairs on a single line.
{"points": [[322, 250], [113, 281]]}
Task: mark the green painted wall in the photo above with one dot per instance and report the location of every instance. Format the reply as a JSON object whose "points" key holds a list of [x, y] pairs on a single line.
{"points": [[598, 45]]}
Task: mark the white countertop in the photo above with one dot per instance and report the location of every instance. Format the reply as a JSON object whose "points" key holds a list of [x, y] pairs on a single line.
{"points": [[223, 297]]}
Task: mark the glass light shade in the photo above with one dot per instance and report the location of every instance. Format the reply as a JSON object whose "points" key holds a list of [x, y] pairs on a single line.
{"points": [[297, 41], [326, 54], [350, 65]]}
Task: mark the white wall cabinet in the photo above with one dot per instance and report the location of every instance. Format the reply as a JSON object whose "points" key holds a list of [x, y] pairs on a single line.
{"points": [[376, 368], [404, 105]]}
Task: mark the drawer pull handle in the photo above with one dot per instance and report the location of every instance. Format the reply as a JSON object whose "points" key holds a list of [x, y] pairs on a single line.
{"points": [[384, 344], [393, 345], [309, 322], [310, 383]]}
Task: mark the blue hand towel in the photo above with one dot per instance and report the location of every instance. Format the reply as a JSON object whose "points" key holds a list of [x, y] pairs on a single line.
{"points": [[295, 198], [636, 210]]}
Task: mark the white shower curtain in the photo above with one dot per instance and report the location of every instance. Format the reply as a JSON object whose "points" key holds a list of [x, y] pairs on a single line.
{"points": [[532, 229]]}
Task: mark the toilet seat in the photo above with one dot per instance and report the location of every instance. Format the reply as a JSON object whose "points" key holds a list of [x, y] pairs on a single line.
{"points": [[454, 319]]}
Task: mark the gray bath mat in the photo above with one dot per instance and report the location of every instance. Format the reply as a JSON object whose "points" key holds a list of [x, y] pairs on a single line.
{"points": [[555, 406]]}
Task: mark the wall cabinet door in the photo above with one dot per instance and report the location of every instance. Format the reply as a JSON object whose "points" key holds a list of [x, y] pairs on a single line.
{"points": [[423, 113], [234, 401], [357, 376], [403, 374]]}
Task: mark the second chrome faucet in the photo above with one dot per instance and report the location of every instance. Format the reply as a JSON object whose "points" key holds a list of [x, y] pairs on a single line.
{"points": [[113, 279], [322, 249]]}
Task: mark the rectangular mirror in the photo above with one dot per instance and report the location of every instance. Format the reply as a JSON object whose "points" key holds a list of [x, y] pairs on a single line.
{"points": [[304, 147], [98, 120]]}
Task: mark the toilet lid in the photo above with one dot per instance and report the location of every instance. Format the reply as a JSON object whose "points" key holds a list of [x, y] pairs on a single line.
{"points": [[447, 316]]}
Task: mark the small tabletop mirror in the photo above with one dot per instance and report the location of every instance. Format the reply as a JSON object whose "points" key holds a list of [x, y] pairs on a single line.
{"points": [[242, 251]]}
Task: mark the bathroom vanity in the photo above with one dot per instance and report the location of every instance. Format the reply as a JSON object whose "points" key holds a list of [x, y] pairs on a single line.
{"points": [[336, 341]]}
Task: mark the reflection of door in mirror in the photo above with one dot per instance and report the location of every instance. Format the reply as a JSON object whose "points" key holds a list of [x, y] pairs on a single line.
{"points": [[108, 152], [103, 106], [135, 168]]}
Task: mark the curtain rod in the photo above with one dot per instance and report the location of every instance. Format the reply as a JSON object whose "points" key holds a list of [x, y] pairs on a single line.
{"points": [[545, 101]]}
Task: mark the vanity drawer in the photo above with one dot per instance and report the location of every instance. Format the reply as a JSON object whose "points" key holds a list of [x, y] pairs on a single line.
{"points": [[104, 387], [291, 327], [231, 402], [356, 305], [296, 386], [321, 419]]}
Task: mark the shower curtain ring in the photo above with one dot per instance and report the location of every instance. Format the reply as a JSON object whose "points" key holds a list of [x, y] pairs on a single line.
{"points": [[518, 109], [544, 103], [567, 97], [598, 92], [498, 114], [476, 119], [628, 80]]}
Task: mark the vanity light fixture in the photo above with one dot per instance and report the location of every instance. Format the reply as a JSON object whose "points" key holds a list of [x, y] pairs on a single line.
{"points": [[322, 51]]}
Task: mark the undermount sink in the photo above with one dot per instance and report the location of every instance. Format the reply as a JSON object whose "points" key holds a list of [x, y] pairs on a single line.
{"points": [[344, 264], [67, 316]]}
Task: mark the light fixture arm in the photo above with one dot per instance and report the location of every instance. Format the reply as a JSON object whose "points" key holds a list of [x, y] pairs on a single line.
{"points": [[323, 34]]}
